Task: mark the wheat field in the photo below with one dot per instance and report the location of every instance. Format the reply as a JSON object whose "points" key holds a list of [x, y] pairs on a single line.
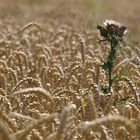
{"points": [[52, 85]]}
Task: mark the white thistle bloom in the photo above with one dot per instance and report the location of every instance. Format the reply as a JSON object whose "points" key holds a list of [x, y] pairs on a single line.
{"points": [[111, 22]]}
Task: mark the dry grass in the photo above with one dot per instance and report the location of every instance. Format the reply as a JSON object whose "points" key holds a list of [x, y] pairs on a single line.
{"points": [[51, 79]]}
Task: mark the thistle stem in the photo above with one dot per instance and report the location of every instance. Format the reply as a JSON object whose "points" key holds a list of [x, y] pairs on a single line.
{"points": [[109, 79], [111, 58]]}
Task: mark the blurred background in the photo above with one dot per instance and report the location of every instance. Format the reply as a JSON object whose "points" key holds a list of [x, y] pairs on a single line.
{"points": [[79, 13]]}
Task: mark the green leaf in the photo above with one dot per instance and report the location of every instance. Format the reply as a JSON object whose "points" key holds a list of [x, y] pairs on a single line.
{"points": [[123, 100], [103, 88], [122, 73]]}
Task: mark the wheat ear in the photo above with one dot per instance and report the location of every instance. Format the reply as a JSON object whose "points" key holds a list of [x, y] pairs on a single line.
{"points": [[133, 88], [23, 133], [8, 120], [24, 57], [36, 90], [3, 83], [13, 74], [86, 126], [28, 26], [2, 62], [108, 107], [82, 46], [25, 80]]}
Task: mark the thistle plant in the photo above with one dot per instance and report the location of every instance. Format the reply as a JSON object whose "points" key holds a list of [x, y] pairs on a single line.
{"points": [[112, 32]]}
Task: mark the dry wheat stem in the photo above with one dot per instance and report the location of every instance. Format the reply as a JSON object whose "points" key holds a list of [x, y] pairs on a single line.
{"points": [[63, 123], [4, 133], [20, 116], [122, 63]]}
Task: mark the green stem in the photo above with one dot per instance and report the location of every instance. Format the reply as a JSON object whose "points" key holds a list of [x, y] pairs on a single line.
{"points": [[111, 58], [109, 79]]}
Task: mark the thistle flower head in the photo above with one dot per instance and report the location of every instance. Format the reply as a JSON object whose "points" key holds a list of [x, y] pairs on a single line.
{"points": [[111, 28]]}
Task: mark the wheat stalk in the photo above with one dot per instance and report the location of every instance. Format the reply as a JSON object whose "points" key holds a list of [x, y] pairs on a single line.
{"points": [[63, 122], [122, 63], [4, 132], [20, 116]]}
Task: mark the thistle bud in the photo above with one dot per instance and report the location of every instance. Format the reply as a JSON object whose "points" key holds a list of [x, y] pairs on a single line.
{"points": [[111, 28]]}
